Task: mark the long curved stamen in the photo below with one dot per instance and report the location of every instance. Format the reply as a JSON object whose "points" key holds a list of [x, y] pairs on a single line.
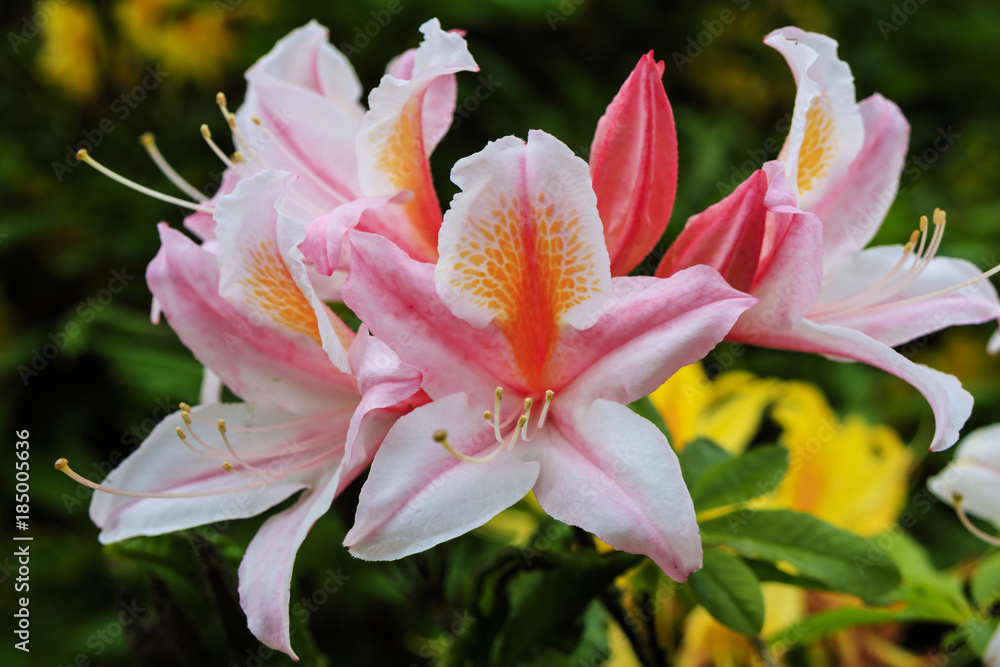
{"points": [[963, 517], [148, 142], [84, 156], [63, 466], [935, 294], [441, 437], [186, 418], [549, 395], [273, 427], [498, 396], [207, 135]]}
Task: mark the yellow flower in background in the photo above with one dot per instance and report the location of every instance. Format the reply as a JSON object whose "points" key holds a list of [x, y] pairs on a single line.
{"points": [[72, 50], [188, 39], [844, 471]]}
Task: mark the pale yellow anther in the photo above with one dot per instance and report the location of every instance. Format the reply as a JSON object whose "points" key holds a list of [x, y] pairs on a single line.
{"points": [[147, 139], [222, 425], [82, 154], [238, 158], [186, 416], [440, 435], [255, 120], [185, 407], [914, 236], [180, 433], [923, 223], [205, 132], [232, 120], [488, 416], [939, 216], [228, 467], [220, 99], [499, 393]]}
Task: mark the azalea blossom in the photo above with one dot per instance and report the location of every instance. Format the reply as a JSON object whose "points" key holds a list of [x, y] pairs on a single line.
{"points": [[530, 351], [302, 114], [794, 235], [245, 307]]}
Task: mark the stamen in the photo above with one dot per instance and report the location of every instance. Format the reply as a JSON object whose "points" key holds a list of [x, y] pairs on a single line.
{"points": [[441, 437], [207, 134], [83, 156], [149, 143], [228, 467], [497, 397], [183, 437], [225, 439], [957, 501], [63, 465]]}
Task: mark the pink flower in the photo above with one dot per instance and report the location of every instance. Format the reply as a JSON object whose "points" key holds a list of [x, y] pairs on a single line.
{"points": [[794, 233], [521, 319], [319, 399], [303, 115]]}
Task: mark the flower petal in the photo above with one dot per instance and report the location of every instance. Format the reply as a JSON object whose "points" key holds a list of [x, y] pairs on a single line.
{"points": [[396, 297], [265, 575], [726, 236], [395, 138], [324, 240], [262, 270], [162, 464], [523, 245], [827, 131], [418, 495], [611, 472], [651, 328], [389, 389], [255, 362], [950, 403], [633, 164], [304, 95], [790, 273], [854, 207], [895, 325]]}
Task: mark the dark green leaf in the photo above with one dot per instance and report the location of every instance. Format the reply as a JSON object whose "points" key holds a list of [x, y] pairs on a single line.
{"points": [[729, 591], [739, 479], [698, 456], [839, 559]]}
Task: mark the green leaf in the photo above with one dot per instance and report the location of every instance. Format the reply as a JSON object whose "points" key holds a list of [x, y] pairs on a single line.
{"points": [[698, 456], [985, 583], [814, 627], [817, 550], [644, 408], [739, 479], [729, 591], [765, 571]]}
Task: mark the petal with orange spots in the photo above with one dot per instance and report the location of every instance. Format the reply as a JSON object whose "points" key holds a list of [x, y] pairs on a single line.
{"points": [[401, 130], [827, 131], [262, 272], [523, 246]]}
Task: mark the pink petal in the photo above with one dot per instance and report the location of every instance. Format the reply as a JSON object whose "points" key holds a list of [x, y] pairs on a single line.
{"points": [[395, 138], [389, 389], [255, 362], [305, 96], [202, 224], [633, 163], [855, 206], [950, 403], [650, 329], [525, 226], [895, 325], [827, 131], [162, 464], [790, 273], [265, 574], [396, 297], [325, 235], [611, 472], [418, 495], [726, 236], [262, 270]]}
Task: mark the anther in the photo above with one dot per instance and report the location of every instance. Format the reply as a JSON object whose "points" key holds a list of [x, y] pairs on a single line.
{"points": [[185, 407], [83, 156], [207, 134], [62, 465]]}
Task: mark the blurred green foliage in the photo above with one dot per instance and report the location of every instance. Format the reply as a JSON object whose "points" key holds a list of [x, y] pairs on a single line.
{"points": [[554, 64]]}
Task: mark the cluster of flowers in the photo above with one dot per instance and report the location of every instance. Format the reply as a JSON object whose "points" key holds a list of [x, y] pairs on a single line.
{"points": [[502, 341]]}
